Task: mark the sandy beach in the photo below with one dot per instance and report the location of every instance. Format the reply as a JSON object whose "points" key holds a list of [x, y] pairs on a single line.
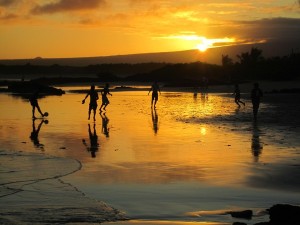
{"points": [[187, 162]]}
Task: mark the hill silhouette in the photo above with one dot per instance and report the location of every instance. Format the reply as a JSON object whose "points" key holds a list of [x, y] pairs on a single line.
{"points": [[212, 56], [250, 65]]}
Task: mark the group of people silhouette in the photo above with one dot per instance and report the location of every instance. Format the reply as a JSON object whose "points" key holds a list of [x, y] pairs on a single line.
{"points": [[105, 92], [256, 95]]}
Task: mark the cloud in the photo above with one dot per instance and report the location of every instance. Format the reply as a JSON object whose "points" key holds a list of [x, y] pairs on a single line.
{"points": [[7, 2], [274, 28], [67, 5], [9, 16]]}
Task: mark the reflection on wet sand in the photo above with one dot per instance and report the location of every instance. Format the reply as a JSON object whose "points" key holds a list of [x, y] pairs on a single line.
{"points": [[154, 117], [204, 97], [105, 120], [34, 136], [256, 144], [94, 145], [201, 147]]}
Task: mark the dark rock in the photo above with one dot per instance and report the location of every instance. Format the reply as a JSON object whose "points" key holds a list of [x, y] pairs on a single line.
{"points": [[31, 87], [284, 214], [246, 214], [239, 223]]}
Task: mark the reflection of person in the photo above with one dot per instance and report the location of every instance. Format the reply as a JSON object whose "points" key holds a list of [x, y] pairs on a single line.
{"points": [[204, 97], [34, 136], [154, 120], [94, 145], [93, 100], [237, 95], [256, 145], [105, 120], [155, 89], [34, 103], [104, 94], [256, 94]]}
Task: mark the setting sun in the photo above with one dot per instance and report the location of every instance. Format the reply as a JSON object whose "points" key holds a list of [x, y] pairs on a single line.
{"points": [[202, 47], [211, 43]]}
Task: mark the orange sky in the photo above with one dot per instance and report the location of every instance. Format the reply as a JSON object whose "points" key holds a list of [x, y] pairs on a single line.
{"points": [[78, 28]]}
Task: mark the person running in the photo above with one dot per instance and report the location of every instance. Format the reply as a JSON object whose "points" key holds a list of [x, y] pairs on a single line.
{"points": [[256, 95], [237, 94], [34, 103], [104, 94], [155, 89], [93, 101]]}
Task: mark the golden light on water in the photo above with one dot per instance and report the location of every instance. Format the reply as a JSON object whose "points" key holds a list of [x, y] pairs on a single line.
{"points": [[203, 130], [178, 141]]}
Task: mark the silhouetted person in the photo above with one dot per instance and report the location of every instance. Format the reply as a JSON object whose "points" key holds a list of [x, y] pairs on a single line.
{"points": [[94, 145], [237, 95], [34, 103], [256, 95], [93, 101], [155, 89], [154, 120], [104, 93], [34, 136], [256, 145], [105, 120]]}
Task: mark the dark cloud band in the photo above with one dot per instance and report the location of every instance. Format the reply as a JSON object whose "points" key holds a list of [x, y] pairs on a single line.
{"points": [[67, 5]]}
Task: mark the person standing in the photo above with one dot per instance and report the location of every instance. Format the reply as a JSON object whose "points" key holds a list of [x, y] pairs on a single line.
{"points": [[93, 101], [237, 95], [256, 95], [104, 94], [155, 89]]}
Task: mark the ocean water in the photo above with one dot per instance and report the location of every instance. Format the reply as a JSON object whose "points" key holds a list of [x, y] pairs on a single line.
{"points": [[190, 159]]}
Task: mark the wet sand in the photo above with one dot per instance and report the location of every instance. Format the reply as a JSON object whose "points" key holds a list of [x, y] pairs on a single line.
{"points": [[191, 154], [33, 191]]}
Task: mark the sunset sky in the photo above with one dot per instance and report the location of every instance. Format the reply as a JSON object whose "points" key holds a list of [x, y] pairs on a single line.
{"points": [[81, 28]]}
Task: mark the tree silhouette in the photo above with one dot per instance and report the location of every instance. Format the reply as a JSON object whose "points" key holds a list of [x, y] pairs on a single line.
{"points": [[226, 61], [251, 58]]}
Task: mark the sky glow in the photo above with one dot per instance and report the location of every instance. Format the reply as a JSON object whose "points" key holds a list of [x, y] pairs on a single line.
{"points": [[78, 28]]}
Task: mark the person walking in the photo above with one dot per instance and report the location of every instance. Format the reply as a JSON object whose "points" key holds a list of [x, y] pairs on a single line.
{"points": [[155, 89], [93, 101], [237, 95]]}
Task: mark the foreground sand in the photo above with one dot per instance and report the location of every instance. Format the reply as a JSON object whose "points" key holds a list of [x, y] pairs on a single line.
{"points": [[41, 196]]}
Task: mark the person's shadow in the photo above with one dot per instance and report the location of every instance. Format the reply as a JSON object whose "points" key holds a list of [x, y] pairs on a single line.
{"points": [[154, 118], [105, 120], [94, 145], [34, 136], [256, 144]]}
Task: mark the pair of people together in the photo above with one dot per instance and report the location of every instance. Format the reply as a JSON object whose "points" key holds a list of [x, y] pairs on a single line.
{"points": [[256, 95], [94, 97]]}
